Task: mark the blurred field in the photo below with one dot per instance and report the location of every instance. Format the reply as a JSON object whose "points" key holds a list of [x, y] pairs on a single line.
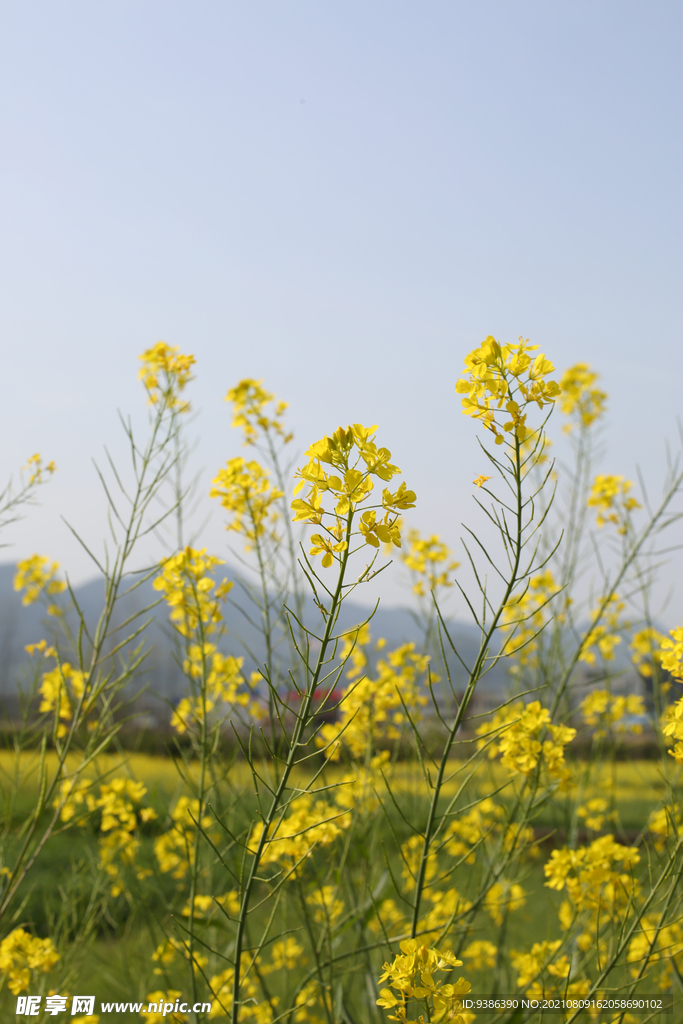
{"points": [[639, 785]]}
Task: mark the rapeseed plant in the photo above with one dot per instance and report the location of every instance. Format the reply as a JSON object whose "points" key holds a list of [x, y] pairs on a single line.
{"points": [[350, 827]]}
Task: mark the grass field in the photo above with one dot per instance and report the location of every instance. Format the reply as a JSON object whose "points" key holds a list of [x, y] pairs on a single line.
{"points": [[116, 963]]}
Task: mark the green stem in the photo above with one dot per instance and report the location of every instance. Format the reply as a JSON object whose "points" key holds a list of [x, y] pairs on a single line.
{"points": [[302, 721], [471, 685]]}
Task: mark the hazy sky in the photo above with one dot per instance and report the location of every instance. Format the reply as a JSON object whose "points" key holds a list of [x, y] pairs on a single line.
{"points": [[343, 199]]}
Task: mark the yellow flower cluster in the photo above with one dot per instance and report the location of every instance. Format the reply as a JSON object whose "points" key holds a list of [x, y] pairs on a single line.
{"points": [[118, 801], [120, 818], [446, 903], [672, 662], [41, 648], [250, 1009], [429, 561], [245, 491], [481, 955], [672, 659], [372, 709], [593, 813], [468, 830], [411, 854], [327, 908], [353, 650], [249, 400], [508, 376], [605, 635], [446, 906], [21, 954], [286, 954], [37, 576], [517, 729], [189, 591], [356, 459], [596, 877], [37, 471], [223, 678], [602, 710], [196, 612], [665, 822], [609, 494], [165, 372], [412, 976], [358, 788], [311, 996], [61, 689], [661, 945], [579, 398], [502, 899], [672, 728], [530, 966], [174, 849], [204, 905], [311, 822], [169, 951], [525, 616], [646, 650]]}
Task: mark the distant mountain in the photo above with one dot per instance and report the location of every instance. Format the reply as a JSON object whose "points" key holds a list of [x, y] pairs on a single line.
{"points": [[21, 625]]}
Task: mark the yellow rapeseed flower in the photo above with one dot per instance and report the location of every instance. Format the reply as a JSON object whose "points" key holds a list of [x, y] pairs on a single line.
{"points": [[506, 377], [672, 658], [672, 728], [604, 637], [609, 494], [524, 617], [165, 372], [174, 850], [373, 708], [646, 650], [21, 954], [311, 822], [249, 400], [481, 954], [503, 898], [61, 689], [430, 561], [327, 908], [529, 965], [597, 877], [602, 710], [662, 944], [37, 576], [593, 813], [37, 471], [189, 591], [514, 733], [245, 491], [355, 460], [580, 399], [412, 976]]}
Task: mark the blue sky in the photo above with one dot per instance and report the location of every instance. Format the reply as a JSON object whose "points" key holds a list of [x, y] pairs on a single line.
{"points": [[342, 199]]}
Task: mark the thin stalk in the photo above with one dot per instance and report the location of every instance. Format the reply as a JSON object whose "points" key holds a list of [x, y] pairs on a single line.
{"points": [[471, 685], [296, 742]]}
